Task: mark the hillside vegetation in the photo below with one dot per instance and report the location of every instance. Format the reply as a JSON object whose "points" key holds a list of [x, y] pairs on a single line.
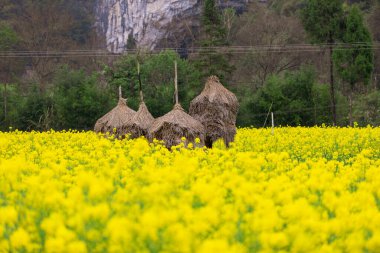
{"points": [[53, 76]]}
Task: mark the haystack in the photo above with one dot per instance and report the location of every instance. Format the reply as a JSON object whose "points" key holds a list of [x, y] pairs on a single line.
{"points": [[216, 108], [115, 120], [176, 124], [142, 120], [139, 123]]}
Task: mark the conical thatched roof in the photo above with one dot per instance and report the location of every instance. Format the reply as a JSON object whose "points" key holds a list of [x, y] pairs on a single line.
{"points": [[174, 125], [216, 108], [115, 119], [140, 122]]}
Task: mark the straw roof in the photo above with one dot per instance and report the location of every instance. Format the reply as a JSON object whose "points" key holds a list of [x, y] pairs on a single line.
{"points": [[140, 122], [216, 108], [174, 125], [115, 119]]}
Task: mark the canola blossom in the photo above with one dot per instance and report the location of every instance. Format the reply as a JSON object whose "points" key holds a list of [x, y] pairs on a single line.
{"points": [[298, 190]]}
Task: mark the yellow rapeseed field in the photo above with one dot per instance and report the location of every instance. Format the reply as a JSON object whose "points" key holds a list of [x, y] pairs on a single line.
{"points": [[299, 190]]}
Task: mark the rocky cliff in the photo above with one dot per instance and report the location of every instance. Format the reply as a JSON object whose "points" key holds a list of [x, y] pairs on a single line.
{"points": [[148, 22]]}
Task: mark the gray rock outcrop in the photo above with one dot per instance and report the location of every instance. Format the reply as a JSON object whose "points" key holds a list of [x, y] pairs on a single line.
{"points": [[148, 21]]}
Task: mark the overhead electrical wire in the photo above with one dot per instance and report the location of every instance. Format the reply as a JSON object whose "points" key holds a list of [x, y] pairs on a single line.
{"points": [[256, 49]]}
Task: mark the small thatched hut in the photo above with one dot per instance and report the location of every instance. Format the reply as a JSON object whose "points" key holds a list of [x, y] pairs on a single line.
{"points": [[176, 124], [114, 121], [141, 121], [216, 108]]}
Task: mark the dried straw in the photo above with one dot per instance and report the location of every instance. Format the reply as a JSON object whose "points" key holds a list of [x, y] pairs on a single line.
{"points": [[216, 108], [115, 120], [140, 122], [174, 125]]}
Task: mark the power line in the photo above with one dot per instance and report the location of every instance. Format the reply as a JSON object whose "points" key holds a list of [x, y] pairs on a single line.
{"points": [[216, 47], [289, 48]]}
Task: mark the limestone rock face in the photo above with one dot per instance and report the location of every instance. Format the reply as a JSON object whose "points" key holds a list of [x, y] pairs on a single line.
{"points": [[147, 21]]}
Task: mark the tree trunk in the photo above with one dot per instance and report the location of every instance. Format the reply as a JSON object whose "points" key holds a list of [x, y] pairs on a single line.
{"points": [[332, 89], [350, 109], [315, 114], [5, 102]]}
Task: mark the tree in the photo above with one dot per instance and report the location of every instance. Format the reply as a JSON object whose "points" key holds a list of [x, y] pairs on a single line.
{"points": [[374, 24], [78, 101], [260, 26], [212, 23], [212, 60], [131, 42], [354, 60], [322, 20], [43, 26], [295, 98], [157, 74], [366, 109], [8, 41], [52, 26], [228, 20], [36, 111]]}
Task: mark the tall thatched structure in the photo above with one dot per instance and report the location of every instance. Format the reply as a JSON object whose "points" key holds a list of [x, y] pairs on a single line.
{"points": [[142, 120], [216, 108], [115, 120], [176, 124]]}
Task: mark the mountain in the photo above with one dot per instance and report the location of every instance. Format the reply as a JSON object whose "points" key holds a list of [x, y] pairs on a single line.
{"points": [[148, 22]]}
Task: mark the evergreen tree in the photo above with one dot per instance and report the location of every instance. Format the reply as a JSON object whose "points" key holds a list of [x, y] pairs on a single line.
{"points": [[8, 41], [354, 59], [157, 80], [322, 20], [78, 100], [131, 42], [211, 60], [288, 96], [212, 25]]}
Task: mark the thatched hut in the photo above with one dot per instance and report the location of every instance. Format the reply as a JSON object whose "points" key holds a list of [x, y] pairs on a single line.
{"points": [[142, 120], [216, 108], [176, 124], [114, 121]]}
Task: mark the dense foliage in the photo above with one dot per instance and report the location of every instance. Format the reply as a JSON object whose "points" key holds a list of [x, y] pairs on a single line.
{"points": [[298, 190], [323, 20], [210, 61], [354, 59], [157, 76], [294, 98], [259, 53]]}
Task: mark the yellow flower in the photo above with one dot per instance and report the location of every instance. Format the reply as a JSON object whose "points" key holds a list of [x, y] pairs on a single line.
{"points": [[214, 246], [8, 215], [77, 246], [55, 245], [20, 239], [4, 246], [300, 190]]}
